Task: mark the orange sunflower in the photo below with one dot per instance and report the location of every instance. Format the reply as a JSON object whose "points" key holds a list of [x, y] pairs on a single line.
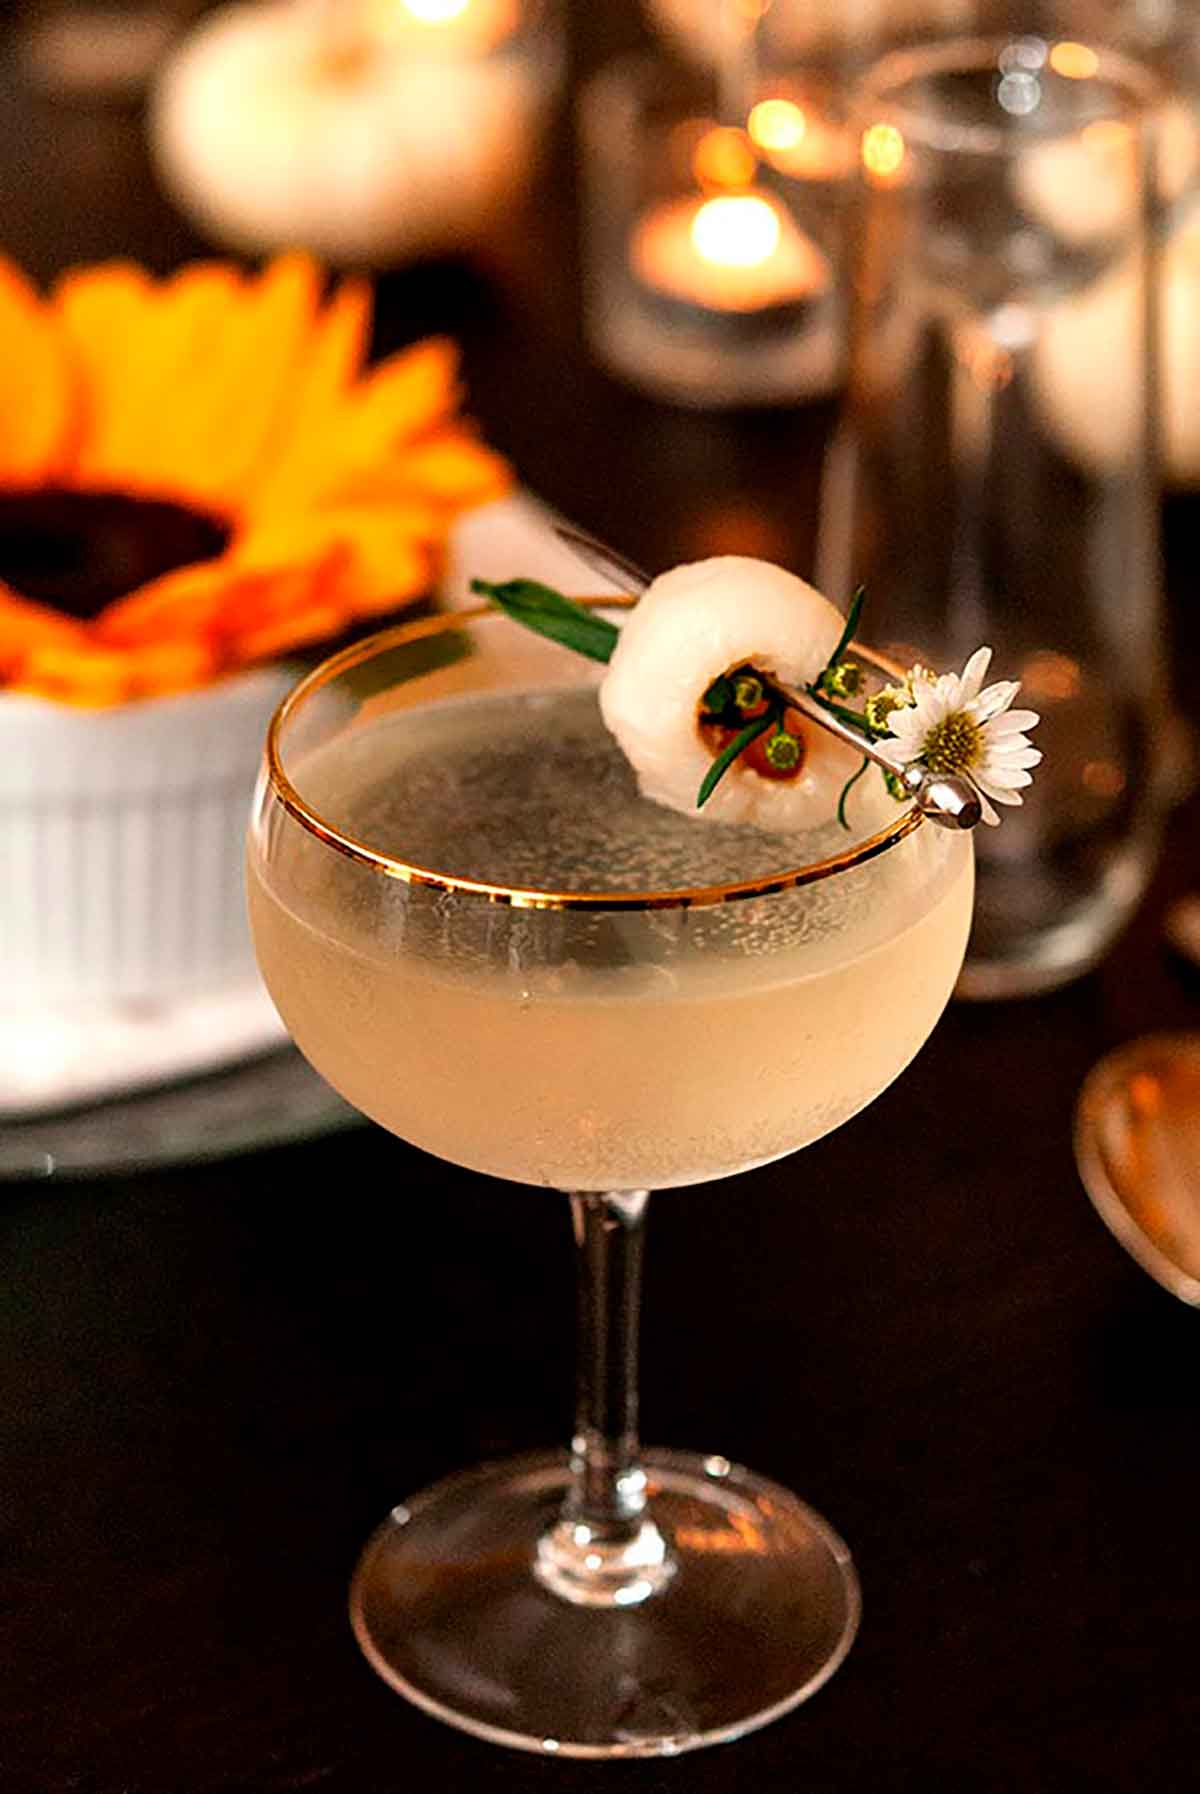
{"points": [[197, 473]]}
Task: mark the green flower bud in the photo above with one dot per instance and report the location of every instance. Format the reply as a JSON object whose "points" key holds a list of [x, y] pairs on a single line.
{"points": [[880, 704], [843, 680], [783, 751]]}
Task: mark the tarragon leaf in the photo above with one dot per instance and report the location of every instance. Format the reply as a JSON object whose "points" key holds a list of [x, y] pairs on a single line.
{"points": [[548, 613], [730, 752]]}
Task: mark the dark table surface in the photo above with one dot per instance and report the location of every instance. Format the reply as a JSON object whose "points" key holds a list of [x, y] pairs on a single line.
{"points": [[215, 1380]]}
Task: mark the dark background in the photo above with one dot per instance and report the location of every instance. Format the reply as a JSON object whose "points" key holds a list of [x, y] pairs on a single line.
{"points": [[215, 1381]]}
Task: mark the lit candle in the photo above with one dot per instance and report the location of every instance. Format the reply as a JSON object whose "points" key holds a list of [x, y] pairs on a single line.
{"points": [[284, 124], [735, 253], [729, 249]]}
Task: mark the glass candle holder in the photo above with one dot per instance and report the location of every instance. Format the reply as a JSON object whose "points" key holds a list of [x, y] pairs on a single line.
{"points": [[712, 221], [993, 476]]}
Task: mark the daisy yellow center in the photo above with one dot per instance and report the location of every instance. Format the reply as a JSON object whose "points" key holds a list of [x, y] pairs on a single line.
{"points": [[77, 551], [953, 744]]}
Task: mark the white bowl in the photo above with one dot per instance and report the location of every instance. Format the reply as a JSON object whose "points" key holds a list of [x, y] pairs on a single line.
{"points": [[121, 843]]}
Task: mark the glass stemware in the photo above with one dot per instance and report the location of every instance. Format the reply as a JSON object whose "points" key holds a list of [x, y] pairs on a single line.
{"points": [[485, 939]]}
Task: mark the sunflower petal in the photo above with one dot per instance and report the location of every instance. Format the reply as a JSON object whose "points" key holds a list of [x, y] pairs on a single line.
{"points": [[385, 566], [25, 626], [163, 667], [402, 399], [103, 313], [143, 443], [457, 469], [187, 602], [237, 415], [36, 388], [298, 469], [316, 622], [78, 674]]}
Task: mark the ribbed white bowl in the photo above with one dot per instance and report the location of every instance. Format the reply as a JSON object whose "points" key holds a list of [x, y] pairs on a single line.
{"points": [[121, 843]]}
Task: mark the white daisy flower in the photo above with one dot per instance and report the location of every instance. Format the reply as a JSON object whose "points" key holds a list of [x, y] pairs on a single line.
{"points": [[954, 724]]}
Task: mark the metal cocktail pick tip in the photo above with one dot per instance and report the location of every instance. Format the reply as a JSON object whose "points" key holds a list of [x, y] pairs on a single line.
{"points": [[946, 799]]}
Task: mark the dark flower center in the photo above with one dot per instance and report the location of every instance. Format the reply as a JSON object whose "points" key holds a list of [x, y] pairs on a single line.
{"points": [[78, 551]]}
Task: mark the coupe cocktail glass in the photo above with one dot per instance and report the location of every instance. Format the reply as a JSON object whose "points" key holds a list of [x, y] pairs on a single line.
{"points": [[484, 938]]}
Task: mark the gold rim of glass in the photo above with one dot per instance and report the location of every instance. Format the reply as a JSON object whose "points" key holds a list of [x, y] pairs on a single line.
{"points": [[515, 897]]}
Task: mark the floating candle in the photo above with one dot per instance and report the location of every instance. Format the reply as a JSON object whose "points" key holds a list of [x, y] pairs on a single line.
{"points": [[736, 252]]}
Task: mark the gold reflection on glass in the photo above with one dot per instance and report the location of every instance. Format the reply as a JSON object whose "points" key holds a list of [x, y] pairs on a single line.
{"points": [[1103, 779], [883, 153], [1075, 62], [724, 158], [741, 1537], [1051, 677], [736, 526], [1108, 137], [989, 366]]}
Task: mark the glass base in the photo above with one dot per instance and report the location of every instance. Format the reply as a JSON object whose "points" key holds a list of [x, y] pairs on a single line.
{"points": [[761, 1608]]}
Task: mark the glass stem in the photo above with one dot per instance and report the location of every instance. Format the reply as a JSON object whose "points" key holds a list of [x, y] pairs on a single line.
{"points": [[605, 1549]]}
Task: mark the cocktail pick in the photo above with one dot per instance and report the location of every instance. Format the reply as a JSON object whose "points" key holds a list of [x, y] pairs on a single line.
{"points": [[947, 799]]}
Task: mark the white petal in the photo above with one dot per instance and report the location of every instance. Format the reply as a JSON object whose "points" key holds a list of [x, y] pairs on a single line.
{"points": [[947, 692], [1001, 793], [1022, 757], [989, 815], [1011, 721], [1005, 744], [929, 705], [1005, 779], [907, 729], [994, 700], [973, 674]]}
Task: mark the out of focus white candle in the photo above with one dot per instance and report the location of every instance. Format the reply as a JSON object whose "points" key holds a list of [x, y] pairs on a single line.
{"points": [[1087, 369], [1086, 187], [272, 131]]}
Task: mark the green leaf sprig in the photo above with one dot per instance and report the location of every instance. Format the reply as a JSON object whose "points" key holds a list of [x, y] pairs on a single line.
{"points": [[548, 613]]}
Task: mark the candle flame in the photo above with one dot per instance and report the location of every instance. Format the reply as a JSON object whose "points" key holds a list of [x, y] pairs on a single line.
{"points": [[777, 124], [736, 231], [436, 12]]}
